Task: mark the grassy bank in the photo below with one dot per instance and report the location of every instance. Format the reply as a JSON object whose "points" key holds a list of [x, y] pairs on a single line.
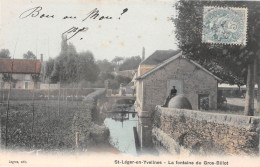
{"points": [[89, 134], [51, 128], [57, 126]]}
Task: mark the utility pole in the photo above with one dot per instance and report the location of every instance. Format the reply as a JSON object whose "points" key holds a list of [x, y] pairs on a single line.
{"points": [[8, 106], [143, 54]]}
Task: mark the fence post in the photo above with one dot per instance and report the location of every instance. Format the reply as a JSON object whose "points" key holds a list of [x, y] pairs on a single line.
{"points": [[77, 140], [33, 108], [66, 99], [59, 103], [7, 110]]}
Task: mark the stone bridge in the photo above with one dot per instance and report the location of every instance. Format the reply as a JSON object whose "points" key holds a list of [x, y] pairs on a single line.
{"points": [[111, 101], [115, 98]]}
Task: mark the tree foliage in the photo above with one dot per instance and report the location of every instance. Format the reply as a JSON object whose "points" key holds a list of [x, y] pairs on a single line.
{"points": [[117, 60], [87, 68], [114, 83], [49, 67], [71, 66], [36, 78], [29, 55], [105, 66], [130, 63], [5, 54], [6, 77], [228, 62]]}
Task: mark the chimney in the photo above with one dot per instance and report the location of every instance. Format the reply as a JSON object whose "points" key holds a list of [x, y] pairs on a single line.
{"points": [[143, 54], [41, 57]]}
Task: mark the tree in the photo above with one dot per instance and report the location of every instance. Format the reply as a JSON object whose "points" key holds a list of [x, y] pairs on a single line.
{"points": [[117, 60], [87, 68], [5, 54], [234, 60], [55, 74], [7, 77], [258, 83], [130, 63], [36, 78], [71, 66], [105, 66], [29, 56], [69, 60], [114, 83], [49, 67], [64, 68]]}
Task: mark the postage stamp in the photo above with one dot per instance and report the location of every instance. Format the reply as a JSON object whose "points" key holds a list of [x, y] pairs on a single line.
{"points": [[224, 25]]}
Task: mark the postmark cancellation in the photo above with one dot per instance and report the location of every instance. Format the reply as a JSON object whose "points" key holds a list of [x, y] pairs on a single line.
{"points": [[224, 25]]}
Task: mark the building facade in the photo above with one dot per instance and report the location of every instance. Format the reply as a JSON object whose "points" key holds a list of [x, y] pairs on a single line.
{"points": [[21, 72], [189, 78]]}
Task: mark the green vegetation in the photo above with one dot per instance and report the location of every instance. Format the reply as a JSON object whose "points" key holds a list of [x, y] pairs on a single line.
{"points": [[232, 63], [55, 122], [29, 56], [51, 131], [5, 54], [89, 133], [70, 66]]}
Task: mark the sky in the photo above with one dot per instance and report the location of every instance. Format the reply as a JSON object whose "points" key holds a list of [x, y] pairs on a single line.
{"points": [[145, 24]]}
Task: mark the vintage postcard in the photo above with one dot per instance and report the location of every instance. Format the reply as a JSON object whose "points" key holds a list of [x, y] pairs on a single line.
{"points": [[140, 83]]}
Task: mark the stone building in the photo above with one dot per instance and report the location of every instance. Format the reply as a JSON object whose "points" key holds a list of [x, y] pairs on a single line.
{"points": [[156, 58], [22, 72], [164, 69]]}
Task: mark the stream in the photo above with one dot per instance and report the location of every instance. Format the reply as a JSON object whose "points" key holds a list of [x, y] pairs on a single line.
{"points": [[130, 134], [121, 132]]}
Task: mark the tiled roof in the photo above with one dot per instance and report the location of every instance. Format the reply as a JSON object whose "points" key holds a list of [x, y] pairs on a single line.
{"points": [[159, 56], [20, 66], [179, 55]]}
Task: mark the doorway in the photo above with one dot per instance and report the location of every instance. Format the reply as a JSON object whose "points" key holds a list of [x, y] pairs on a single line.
{"points": [[203, 101], [26, 85], [178, 86]]}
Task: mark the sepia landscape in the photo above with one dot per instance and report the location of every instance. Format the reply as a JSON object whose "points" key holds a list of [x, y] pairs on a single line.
{"points": [[183, 83]]}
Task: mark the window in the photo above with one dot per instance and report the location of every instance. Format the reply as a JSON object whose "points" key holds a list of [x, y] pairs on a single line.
{"points": [[203, 101], [26, 85]]}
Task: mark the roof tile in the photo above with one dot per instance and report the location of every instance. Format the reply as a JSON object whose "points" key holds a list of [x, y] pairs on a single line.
{"points": [[20, 66]]}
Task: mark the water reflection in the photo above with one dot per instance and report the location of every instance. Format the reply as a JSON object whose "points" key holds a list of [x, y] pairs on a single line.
{"points": [[121, 131], [144, 130], [129, 133]]}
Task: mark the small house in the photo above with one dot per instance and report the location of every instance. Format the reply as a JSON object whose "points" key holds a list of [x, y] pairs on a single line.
{"points": [[21, 72], [164, 69]]}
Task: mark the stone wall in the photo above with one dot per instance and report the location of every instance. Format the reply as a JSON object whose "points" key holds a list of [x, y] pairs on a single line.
{"points": [[194, 80], [205, 133]]}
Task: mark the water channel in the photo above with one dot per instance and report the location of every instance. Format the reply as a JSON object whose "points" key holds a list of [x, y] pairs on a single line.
{"points": [[121, 131], [129, 133]]}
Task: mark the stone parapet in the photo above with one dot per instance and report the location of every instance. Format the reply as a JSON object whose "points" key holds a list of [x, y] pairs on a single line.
{"points": [[210, 132]]}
